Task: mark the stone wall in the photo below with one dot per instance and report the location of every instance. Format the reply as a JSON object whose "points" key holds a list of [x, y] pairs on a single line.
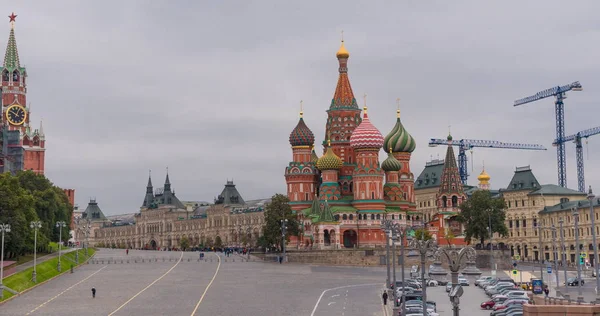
{"points": [[558, 307], [502, 259]]}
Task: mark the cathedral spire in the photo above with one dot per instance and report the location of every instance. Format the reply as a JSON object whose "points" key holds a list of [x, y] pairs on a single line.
{"points": [[11, 57], [343, 96], [451, 181], [167, 181]]}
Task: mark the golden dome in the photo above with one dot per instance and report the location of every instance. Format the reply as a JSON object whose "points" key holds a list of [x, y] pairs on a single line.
{"points": [[483, 177], [342, 52]]}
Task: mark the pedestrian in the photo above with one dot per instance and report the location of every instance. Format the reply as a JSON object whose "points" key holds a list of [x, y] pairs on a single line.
{"points": [[385, 297], [93, 292], [127, 251], [546, 291]]}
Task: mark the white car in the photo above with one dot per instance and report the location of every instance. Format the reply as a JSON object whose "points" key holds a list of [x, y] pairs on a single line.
{"points": [[432, 283]]}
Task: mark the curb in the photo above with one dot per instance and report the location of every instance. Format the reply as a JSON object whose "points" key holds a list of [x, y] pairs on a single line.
{"points": [[38, 284]]}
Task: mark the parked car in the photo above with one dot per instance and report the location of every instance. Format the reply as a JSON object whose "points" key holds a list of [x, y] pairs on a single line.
{"points": [[463, 281], [490, 304], [481, 279], [574, 282]]}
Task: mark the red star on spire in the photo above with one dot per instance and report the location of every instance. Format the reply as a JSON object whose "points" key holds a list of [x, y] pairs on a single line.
{"points": [[12, 17]]}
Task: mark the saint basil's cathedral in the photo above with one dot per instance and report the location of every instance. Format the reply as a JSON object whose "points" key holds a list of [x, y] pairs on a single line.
{"points": [[341, 197]]}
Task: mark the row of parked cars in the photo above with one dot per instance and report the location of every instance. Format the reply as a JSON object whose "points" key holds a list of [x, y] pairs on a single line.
{"points": [[506, 297], [413, 297]]}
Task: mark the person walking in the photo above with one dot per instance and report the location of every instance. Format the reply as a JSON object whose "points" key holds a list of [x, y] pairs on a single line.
{"points": [[93, 292], [546, 291], [385, 297]]}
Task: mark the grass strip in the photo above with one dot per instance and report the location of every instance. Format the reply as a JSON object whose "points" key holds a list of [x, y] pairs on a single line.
{"points": [[46, 270]]}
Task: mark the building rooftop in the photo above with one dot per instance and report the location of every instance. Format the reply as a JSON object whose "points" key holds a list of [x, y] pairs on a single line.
{"points": [[431, 175], [553, 189], [522, 180], [566, 206]]}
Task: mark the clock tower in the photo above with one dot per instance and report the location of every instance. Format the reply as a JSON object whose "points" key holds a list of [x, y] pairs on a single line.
{"points": [[23, 148]]}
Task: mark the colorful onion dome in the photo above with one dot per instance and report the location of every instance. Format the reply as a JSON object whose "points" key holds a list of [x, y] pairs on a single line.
{"points": [[302, 135], [483, 177], [342, 52], [366, 135], [329, 161], [399, 140], [313, 156], [391, 163]]}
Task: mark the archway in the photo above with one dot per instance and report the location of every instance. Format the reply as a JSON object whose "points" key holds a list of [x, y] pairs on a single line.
{"points": [[350, 238], [326, 238], [153, 244]]}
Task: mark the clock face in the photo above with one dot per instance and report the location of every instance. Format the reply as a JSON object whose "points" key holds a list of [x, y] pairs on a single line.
{"points": [[16, 115]]}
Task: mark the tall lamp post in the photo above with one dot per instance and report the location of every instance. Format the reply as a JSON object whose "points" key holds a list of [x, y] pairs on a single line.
{"points": [[283, 231], [563, 254], [386, 226], [540, 252], [423, 246], [35, 225], [357, 228], [4, 228], [60, 225], [591, 197], [399, 231], [575, 213], [455, 257], [554, 255]]}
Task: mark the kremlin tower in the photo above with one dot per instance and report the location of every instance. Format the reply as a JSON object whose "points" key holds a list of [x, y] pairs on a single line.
{"points": [[342, 197]]}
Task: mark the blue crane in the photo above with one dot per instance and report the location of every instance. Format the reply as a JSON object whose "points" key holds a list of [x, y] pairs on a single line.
{"points": [[576, 138], [468, 144], [559, 93]]}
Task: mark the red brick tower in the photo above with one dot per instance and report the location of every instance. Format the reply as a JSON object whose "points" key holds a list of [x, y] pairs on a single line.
{"points": [[451, 193], [27, 151], [366, 141], [301, 175], [343, 117]]}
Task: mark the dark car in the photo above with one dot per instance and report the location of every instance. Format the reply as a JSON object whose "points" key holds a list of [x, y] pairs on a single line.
{"points": [[574, 282]]}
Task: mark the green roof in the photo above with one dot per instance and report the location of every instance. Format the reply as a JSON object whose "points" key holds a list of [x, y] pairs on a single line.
{"points": [[343, 209], [523, 180], [553, 189], [11, 57], [431, 175], [566, 206]]}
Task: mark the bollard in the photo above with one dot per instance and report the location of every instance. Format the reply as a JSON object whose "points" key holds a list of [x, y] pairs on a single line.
{"points": [[188, 259], [71, 268]]}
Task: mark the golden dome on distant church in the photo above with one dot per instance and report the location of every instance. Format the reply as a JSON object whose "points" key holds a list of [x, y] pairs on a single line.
{"points": [[483, 177], [342, 52]]}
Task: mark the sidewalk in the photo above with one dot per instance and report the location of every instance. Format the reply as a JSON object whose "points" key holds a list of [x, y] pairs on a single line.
{"points": [[24, 266]]}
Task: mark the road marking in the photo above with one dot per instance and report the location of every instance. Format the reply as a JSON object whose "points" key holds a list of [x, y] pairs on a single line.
{"points": [[147, 287], [63, 292], [208, 286], [337, 288], [330, 303], [335, 295]]}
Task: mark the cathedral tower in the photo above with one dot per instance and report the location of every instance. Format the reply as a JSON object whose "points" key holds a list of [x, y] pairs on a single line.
{"points": [[484, 180], [343, 117], [366, 141], [24, 147], [451, 193], [301, 175], [329, 164]]}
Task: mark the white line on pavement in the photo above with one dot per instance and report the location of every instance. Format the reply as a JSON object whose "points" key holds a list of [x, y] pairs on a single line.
{"points": [[147, 287], [209, 284], [330, 303], [63, 292], [337, 288]]}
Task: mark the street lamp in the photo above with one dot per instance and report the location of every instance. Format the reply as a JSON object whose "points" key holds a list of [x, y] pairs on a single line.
{"points": [[563, 254], [386, 226], [540, 252], [555, 254], [423, 246], [357, 228], [60, 225], [399, 231], [283, 231], [591, 197], [4, 228], [35, 225], [575, 213], [455, 257]]}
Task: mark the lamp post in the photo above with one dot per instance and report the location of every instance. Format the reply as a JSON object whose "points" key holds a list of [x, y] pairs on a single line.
{"points": [[455, 257], [554, 254], [60, 225], [4, 228], [399, 232], [357, 228], [35, 225], [283, 231], [540, 251], [423, 246], [386, 226], [563, 254], [575, 213], [591, 197], [87, 227]]}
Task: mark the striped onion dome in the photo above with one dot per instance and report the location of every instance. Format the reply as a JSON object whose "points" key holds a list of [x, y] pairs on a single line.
{"points": [[391, 163], [329, 161], [399, 140], [366, 135], [302, 135]]}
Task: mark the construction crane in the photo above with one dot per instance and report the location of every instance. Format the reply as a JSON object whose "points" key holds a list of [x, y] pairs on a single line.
{"points": [[468, 144], [576, 138], [559, 93]]}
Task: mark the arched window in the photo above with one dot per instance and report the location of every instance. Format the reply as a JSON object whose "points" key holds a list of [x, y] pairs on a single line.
{"points": [[444, 201], [344, 217], [454, 201], [372, 216], [378, 216], [350, 217]]}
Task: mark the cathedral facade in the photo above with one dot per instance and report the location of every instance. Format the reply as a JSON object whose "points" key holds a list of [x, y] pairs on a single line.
{"points": [[341, 197], [23, 147], [164, 221]]}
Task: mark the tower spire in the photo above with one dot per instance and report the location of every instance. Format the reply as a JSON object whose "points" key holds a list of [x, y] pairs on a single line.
{"points": [[343, 96], [11, 57], [167, 182]]}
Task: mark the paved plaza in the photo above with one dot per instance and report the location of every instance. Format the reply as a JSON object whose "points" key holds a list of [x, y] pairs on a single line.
{"points": [[176, 283]]}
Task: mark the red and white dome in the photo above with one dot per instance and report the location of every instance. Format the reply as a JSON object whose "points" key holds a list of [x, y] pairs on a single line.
{"points": [[366, 135]]}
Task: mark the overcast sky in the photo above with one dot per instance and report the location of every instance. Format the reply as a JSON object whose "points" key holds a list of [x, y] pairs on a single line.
{"points": [[213, 90]]}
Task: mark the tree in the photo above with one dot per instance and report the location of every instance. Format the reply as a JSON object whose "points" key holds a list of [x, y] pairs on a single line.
{"points": [[209, 242], [276, 211], [477, 212], [422, 234], [449, 235], [184, 243], [218, 242], [244, 240]]}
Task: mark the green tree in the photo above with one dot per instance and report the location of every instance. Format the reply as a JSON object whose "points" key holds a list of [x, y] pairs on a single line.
{"points": [[477, 212], [17, 210], [276, 211], [218, 242], [184, 243], [422, 234], [448, 235]]}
